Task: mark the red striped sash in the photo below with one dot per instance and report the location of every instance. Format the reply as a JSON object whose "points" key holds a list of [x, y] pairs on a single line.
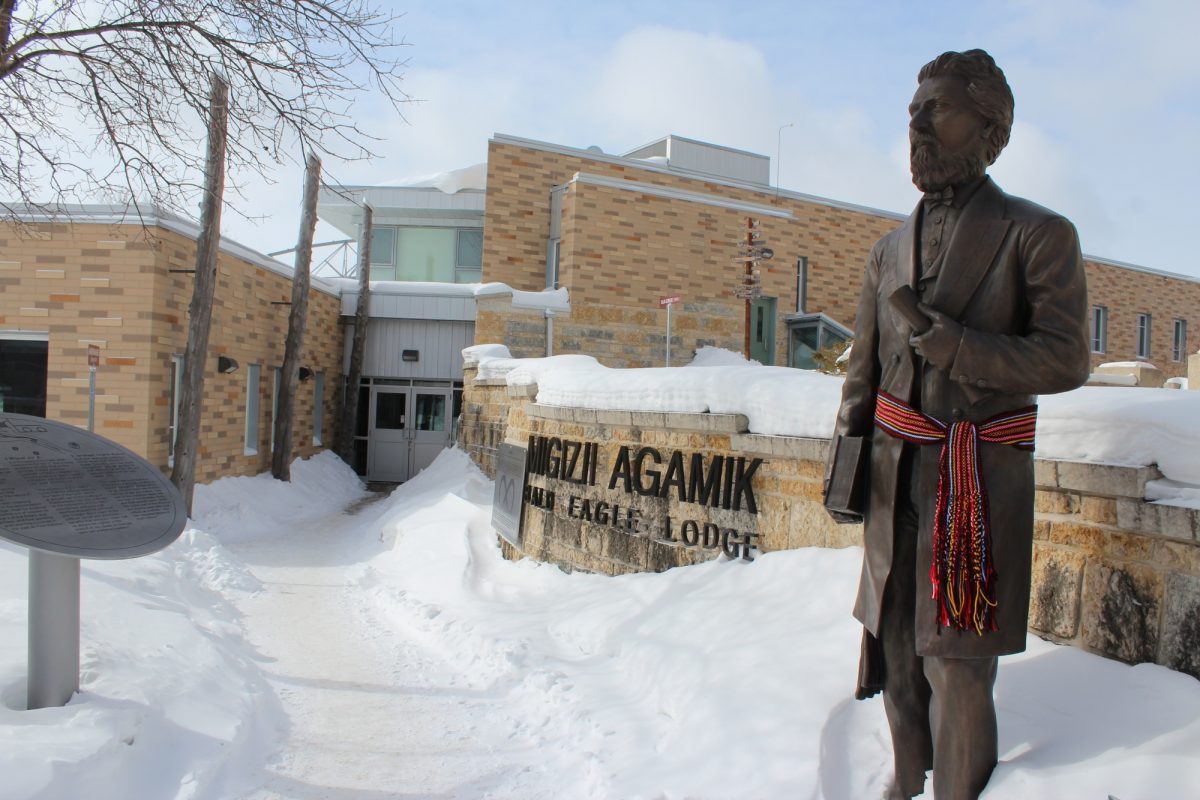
{"points": [[962, 573]]}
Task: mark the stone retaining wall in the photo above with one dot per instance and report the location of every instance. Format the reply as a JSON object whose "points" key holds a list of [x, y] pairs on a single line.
{"points": [[1113, 574]]}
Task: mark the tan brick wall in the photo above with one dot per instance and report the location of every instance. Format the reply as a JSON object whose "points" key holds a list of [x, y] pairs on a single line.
{"points": [[627, 249], [110, 285], [1127, 293], [622, 250]]}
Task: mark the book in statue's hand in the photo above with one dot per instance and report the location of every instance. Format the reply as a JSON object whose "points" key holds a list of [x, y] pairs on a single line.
{"points": [[845, 493], [904, 300]]}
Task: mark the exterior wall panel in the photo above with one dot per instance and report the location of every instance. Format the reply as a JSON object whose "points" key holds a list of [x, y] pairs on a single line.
{"points": [[440, 345]]}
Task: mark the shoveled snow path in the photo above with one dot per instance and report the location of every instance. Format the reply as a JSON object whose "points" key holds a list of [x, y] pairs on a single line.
{"points": [[370, 715]]}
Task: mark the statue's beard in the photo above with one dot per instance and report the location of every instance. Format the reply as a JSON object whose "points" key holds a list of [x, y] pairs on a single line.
{"points": [[933, 169]]}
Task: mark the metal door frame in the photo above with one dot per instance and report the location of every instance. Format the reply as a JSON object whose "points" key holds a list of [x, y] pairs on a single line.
{"points": [[406, 434]]}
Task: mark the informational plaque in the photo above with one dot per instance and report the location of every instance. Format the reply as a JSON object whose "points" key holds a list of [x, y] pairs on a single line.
{"points": [[67, 491], [509, 499]]}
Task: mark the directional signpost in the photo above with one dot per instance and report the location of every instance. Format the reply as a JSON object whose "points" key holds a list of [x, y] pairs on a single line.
{"points": [[70, 494], [669, 301], [749, 286]]}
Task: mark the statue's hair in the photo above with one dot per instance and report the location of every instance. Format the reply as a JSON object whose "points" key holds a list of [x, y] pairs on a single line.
{"points": [[986, 86]]}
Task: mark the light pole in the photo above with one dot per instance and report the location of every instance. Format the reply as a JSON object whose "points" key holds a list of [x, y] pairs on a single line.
{"points": [[779, 152]]}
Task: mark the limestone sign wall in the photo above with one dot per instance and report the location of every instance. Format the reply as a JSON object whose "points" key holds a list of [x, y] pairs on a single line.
{"points": [[618, 491]]}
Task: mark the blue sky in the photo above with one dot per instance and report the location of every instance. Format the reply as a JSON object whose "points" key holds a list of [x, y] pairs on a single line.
{"points": [[1107, 115]]}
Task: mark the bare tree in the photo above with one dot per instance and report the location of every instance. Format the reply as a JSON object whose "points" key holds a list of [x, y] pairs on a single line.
{"points": [[293, 350], [187, 433], [348, 424], [107, 100]]}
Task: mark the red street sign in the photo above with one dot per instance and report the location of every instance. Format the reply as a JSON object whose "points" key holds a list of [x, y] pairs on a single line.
{"points": [[670, 300], [93, 355]]}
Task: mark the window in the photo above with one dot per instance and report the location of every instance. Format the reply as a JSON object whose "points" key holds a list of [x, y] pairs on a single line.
{"points": [[468, 260], [1099, 329], [426, 254], [445, 255], [1179, 341], [383, 246], [252, 381], [176, 396], [811, 333], [24, 359], [1143, 335], [318, 406]]}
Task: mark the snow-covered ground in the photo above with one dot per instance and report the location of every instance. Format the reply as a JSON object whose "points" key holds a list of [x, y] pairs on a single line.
{"points": [[302, 642]]}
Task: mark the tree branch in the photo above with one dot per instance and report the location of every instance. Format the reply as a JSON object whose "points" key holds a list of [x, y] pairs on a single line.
{"points": [[106, 98]]}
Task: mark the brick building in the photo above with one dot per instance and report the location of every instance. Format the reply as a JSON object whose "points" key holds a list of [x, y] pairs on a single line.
{"points": [[96, 276], [669, 218]]}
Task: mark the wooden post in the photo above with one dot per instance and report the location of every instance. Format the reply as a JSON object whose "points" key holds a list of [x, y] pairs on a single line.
{"points": [[187, 435], [297, 321], [359, 345], [748, 280]]}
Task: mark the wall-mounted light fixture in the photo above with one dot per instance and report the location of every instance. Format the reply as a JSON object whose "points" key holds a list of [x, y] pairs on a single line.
{"points": [[410, 355], [305, 373], [226, 365]]}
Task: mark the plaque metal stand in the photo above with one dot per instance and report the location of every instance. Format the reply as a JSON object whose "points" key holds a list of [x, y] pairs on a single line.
{"points": [[67, 494], [53, 629]]}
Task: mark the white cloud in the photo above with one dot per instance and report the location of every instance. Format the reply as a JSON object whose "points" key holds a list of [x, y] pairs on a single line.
{"points": [[659, 80], [1036, 166]]}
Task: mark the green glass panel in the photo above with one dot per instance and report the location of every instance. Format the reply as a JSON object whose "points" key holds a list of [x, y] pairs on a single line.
{"points": [[426, 254]]}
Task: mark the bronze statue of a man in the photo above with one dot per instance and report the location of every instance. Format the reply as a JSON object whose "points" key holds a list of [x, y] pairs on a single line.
{"points": [[945, 398]]}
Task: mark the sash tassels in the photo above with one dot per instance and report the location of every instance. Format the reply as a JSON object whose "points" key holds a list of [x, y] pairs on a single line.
{"points": [[962, 573]]}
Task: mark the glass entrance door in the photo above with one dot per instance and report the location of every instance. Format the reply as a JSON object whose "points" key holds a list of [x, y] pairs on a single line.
{"points": [[431, 425], [409, 426], [388, 445]]}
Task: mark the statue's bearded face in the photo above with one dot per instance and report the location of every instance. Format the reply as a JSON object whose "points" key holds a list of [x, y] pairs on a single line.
{"points": [[946, 134]]}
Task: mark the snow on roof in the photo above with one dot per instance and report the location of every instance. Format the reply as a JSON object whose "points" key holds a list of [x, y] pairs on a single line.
{"points": [[1128, 365], [550, 299], [450, 182]]}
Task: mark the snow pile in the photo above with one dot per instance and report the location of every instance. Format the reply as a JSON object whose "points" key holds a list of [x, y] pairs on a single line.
{"points": [[732, 679], [172, 703], [247, 506], [1097, 424], [1124, 426], [708, 356]]}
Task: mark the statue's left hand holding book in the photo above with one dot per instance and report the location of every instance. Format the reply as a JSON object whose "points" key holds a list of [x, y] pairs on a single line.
{"points": [[845, 491]]}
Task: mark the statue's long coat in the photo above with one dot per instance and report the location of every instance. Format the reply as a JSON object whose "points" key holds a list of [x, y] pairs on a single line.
{"points": [[1013, 277]]}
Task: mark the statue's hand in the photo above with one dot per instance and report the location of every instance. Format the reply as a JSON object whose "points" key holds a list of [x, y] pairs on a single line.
{"points": [[939, 344]]}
